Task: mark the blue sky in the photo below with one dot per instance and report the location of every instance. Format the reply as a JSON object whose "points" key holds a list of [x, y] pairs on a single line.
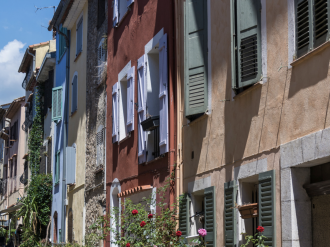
{"points": [[20, 26]]}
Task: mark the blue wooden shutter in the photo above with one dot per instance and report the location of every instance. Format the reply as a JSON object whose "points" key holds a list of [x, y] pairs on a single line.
{"points": [[248, 42], [184, 215], [210, 217], [130, 99], [74, 105], [115, 113], [266, 205], [196, 92], [79, 33], [71, 165], [163, 95], [230, 191], [115, 16], [142, 98]]}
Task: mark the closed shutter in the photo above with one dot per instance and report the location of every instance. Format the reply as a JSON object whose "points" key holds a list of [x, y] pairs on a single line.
{"points": [[115, 113], [71, 165], [130, 99], [57, 104], [229, 214], [266, 205], [321, 22], [248, 42], [303, 26], [210, 217], [129, 2], [100, 146], [196, 96], [184, 215], [57, 168], [74, 105], [115, 12], [163, 95], [79, 35], [142, 100]]}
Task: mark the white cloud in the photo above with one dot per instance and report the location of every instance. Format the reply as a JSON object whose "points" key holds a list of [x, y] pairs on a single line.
{"points": [[10, 80]]}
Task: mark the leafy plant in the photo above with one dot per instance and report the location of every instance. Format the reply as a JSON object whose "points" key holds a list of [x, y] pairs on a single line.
{"points": [[257, 240], [3, 232]]}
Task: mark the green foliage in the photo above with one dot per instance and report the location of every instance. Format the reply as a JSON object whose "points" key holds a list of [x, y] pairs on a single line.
{"points": [[257, 240], [3, 232]]}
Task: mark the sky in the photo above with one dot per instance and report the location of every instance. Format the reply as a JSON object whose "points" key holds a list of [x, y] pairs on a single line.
{"points": [[21, 25]]}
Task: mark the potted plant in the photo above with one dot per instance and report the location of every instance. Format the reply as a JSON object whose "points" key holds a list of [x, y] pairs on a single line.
{"points": [[248, 211]]}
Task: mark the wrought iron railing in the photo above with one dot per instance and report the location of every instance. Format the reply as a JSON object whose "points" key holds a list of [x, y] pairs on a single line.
{"points": [[156, 151], [24, 177]]}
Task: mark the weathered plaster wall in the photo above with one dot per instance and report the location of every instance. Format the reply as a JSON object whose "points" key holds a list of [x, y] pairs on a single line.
{"points": [[40, 52]]}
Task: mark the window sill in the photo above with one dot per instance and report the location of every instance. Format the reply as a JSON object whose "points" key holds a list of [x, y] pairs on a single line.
{"points": [[77, 56], [310, 53], [73, 113], [57, 183], [98, 170], [126, 138], [154, 160], [256, 85]]}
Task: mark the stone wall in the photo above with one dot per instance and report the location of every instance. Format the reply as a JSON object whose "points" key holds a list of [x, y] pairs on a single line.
{"points": [[95, 113]]}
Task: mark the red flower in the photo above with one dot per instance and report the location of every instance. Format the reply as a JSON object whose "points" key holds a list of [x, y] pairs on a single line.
{"points": [[134, 212], [142, 224], [178, 233], [150, 216], [128, 245], [260, 229]]}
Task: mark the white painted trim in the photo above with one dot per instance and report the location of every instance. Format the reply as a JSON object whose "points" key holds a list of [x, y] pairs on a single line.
{"points": [[153, 42], [124, 71], [291, 32], [200, 184], [264, 41]]}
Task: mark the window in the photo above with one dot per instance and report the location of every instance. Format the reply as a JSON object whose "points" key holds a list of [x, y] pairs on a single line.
{"points": [[62, 42], [74, 93], [71, 162], [100, 146], [312, 24], [196, 90], [70, 226], [57, 104], [101, 58], [79, 36], [120, 8], [57, 167], [100, 12], [246, 50]]}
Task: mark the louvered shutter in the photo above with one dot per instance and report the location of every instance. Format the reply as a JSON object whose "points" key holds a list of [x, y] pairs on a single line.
{"points": [[184, 215], [230, 214], [129, 2], [79, 35], [115, 12], [142, 100], [163, 95], [196, 95], [321, 22], [57, 103], [100, 146], [70, 165], [130, 99], [248, 42], [303, 26], [57, 168], [115, 113], [266, 205], [74, 105], [210, 217], [101, 57]]}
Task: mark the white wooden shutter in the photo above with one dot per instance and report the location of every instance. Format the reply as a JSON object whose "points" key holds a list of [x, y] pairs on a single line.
{"points": [[101, 57], [142, 100], [130, 99], [129, 2], [100, 146], [163, 96], [71, 165], [115, 12], [115, 113]]}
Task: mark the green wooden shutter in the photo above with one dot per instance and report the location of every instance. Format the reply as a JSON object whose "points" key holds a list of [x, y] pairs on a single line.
{"points": [[210, 217], [229, 214], [248, 43], [57, 104], [184, 216], [304, 29], [196, 96], [321, 22], [266, 205]]}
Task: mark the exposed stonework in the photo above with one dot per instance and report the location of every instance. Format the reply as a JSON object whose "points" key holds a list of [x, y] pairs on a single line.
{"points": [[95, 113]]}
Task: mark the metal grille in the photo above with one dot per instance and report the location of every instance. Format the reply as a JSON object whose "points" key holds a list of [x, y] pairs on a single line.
{"points": [[303, 25], [249, 58], [54, 103], [100, 147], [196, 90], [155, 153], [320, 20]]}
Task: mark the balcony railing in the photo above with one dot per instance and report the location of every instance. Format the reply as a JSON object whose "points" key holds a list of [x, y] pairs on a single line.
{"points": [[24, 177]]}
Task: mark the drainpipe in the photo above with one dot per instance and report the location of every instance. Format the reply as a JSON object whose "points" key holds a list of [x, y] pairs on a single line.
{"points": [[64, 188]]}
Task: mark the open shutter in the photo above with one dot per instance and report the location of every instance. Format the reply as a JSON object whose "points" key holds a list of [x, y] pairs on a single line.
{"points": [[142, 99], [163, 95], [74, 105], [115, 113], [266, 205], [129, 2], [321, 22], [248, 42], [210, 217], [71, 165], [229, 214], [303, 27], [184, 215], [79, 37], [57, 167], [196, 96], [57, 103], [100, 146], [130, 99], [115, 12]]}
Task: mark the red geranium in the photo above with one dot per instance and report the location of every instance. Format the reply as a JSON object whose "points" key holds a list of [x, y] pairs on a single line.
{"points": [[128, 245], [134, 212], [178, 233], [150, 216], [142, 224], [260, 229]]}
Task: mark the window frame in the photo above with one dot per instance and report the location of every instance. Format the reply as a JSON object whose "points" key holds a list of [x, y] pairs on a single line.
{"points": [[57, 118], [80, 19], [72, 92], [62, 43]]}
